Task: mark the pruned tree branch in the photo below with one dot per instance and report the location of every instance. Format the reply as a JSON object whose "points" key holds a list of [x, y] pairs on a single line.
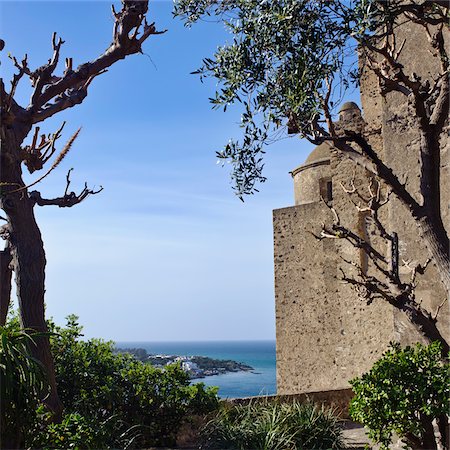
{"points": [[23, 69], [10, 109], [370, 204], [369, 160], [430, 106], [43, 76], [382, 280], [366, 157], [338, 231], [68, 200], [41, 149], [55, 164], [54, 94]]}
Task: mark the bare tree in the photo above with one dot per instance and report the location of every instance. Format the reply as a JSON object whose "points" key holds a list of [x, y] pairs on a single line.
{"points": [[52, 93]]}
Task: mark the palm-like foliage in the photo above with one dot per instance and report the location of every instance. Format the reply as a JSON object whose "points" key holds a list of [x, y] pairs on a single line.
{"points": [[22, 383]]}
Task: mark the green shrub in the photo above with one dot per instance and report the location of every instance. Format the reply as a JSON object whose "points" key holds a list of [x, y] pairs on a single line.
{"points": [[110, 400], [74, 432], [273, 426], [402, 393], [22, 384], [126, 402]]}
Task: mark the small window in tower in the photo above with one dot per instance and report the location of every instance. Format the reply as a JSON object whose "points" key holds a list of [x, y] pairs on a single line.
{"points": [[326, 189]]}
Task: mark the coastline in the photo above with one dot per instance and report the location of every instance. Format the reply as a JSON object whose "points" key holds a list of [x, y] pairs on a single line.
{"points": [[197, 367], [258, 354]]}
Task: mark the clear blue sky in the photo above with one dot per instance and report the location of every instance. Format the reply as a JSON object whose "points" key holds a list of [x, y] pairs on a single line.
{"points": [[166, 251]]}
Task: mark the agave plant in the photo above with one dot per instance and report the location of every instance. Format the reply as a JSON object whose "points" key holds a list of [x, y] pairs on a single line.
{"points": [[22, 385]]}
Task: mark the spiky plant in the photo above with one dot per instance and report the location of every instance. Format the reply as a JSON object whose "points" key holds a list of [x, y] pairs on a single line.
{"points": [[273, 426], [22, 384]]}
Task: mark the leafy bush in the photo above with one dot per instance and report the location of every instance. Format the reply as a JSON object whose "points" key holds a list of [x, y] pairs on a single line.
{"points": [[111, 400], [273, 426], [124, 400], [22, 384], [402, 393], [74, 432]]}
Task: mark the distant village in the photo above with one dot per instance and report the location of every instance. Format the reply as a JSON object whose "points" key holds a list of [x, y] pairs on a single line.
{"points": [[195, 366]]}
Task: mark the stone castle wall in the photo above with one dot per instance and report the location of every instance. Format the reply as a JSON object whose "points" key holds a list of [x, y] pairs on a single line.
{"points": [[326, 335]]}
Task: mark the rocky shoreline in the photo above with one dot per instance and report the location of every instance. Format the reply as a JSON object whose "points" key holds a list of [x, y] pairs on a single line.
{"points": [[195, 366]]}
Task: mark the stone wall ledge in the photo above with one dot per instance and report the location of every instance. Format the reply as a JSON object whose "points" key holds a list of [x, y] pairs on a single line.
{"points": [[337, 399]]}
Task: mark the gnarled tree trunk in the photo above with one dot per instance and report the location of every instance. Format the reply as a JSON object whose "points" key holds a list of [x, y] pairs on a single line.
{"points": [[27, 257], [434, 234]]}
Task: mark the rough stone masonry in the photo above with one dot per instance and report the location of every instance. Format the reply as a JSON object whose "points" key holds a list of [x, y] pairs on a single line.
{"points": [[326, 334]]}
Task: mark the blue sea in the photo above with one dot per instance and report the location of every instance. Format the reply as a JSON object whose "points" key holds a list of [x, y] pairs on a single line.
{"points": [[258, 354]]}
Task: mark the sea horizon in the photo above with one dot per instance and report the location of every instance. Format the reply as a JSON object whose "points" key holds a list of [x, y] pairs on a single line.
{"points": [[259, 354], [197, 340]]}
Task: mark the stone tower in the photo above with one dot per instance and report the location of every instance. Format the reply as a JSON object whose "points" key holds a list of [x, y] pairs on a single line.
{"points": [[326, 335]]}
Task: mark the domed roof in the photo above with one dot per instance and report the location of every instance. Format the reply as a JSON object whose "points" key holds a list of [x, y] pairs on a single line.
{"points": [[349, 105], [322, 151], [319, 156]]}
